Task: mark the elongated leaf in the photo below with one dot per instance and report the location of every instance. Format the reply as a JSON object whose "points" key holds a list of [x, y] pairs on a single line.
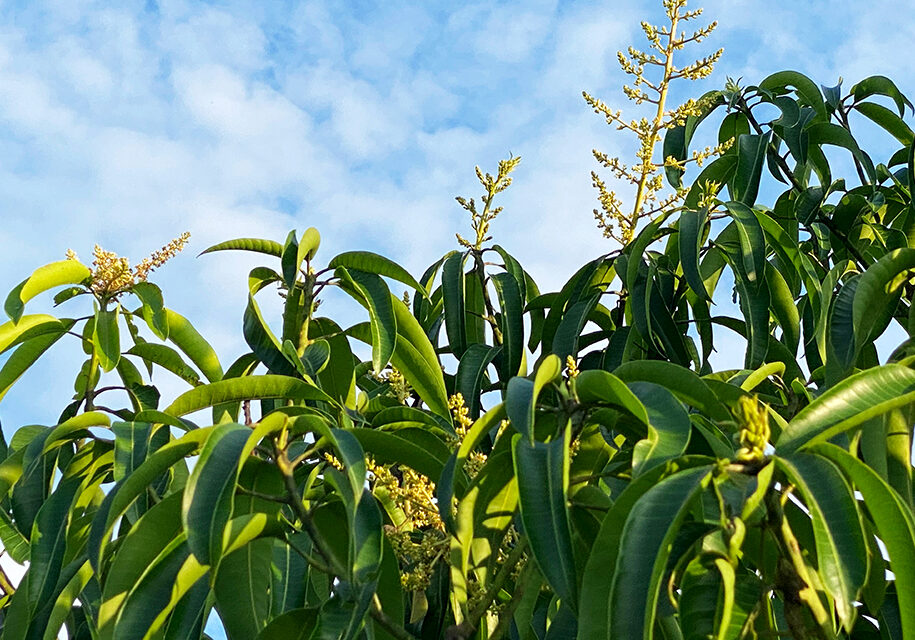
{"points": [[186, 338], [644, 547], [848, 404], [512, 323], [840, 545], [291, 259], [376, 297], [415, 357], [568, 333], [470, 373], [669, 427], [106, 337], [207, 502], [453, 292], [883, 86], [257, 245], [391, 447], [599, 386], [872, 294], [885, 118], [369, 262], [752, 241], [153, 308], [25, 356], [30, 326], [47, 277], [806, 88], [682, 382], [827, 133], [264, 344], [751, 155], [894, 522], [167, 358], [247, 388], [691, 230], [542, 471]]}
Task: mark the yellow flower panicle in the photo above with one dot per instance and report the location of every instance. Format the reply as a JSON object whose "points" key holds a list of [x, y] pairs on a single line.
{"points": [[753, 419], [399, 386], [111, 273], [462, 423], [571, 367], [647, 175], [480, 220]]}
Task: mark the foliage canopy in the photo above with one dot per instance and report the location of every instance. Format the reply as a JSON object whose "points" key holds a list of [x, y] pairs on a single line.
{"points": [[507, 462]]}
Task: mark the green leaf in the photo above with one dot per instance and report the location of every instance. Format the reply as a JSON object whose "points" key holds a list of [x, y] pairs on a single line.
{"points": [[256, 245], [848, 404], [875, 291], [24, 357], [376, 297], [415, 357], [841, 549], [106, 337], [247, 388], [264, 344], [821, 133], [471, 370], [153, 308], [890, 122], [30, 326], [185, 337], [784, 308], [453, 292], [167, 358], [644, 549], [669, 427], [542, 470], [511, 323], [291, 260], [521, 396], [402, 447], [806, 89], [720, 171], [568, 333], [691, 231], [882, 86], [595, 385], [751, 155], [47, 277], [752, 242], [308, 245], [297, 624], [207, 502], [894, 523], [682, 382], [369, 262]]}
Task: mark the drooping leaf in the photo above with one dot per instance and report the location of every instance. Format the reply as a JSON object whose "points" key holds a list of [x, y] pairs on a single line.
{"points": [[257, 245], [47, 277], [247, 388], [369, 262]]}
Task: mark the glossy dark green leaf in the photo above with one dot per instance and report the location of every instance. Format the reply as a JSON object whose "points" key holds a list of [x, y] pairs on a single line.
{"points": [[602, 387], [291, 260], [153, 308], [642, 558], [841, 549], [542, 471], [470, 375], [894, 523], [568, 333], [874, 292], [691, 233], [848, 404], [891, 123], [751, 155], [832, 134], [806, 88], [400, 447], [511, 323], [453, 297], [669, 427], [882, 86]]}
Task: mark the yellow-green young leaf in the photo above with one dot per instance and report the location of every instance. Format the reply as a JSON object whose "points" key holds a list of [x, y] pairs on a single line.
{"points": [[185, 336], [542, 473], [848, 404], [256, 245], [167, 358], [24, 357], [841, 549], [643, 553], [207, 504], [47, 277], [63, 605], [30, 326], [247, 388], [106, 337], [894, 523], [308, 245]]}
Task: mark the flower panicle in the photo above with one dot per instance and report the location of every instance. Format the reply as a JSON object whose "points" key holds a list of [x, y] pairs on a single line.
{"points": [[111, 273], [613, 219]]}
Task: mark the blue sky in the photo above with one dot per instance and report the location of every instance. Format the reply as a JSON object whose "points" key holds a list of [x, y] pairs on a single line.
{"points": [[127, 123]]}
